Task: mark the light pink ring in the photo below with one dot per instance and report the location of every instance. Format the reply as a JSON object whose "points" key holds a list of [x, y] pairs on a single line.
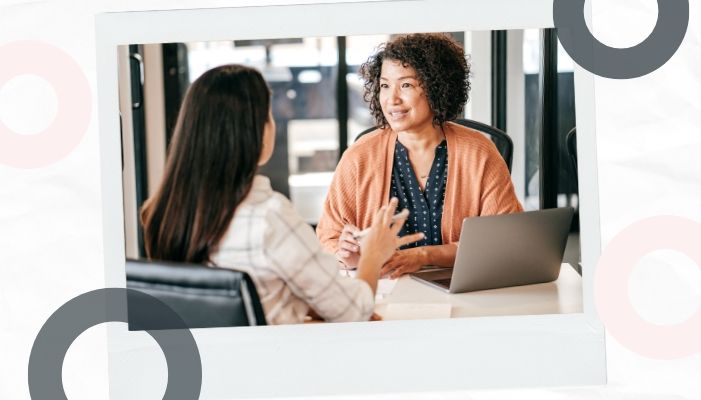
{"points": [[74, 104], [611, 287]]}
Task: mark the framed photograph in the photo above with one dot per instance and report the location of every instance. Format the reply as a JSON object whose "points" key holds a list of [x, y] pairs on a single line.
{"points": [[543, 334]]}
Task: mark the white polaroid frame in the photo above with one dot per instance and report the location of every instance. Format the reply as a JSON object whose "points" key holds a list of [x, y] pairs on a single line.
{"points": [[365, 357]]}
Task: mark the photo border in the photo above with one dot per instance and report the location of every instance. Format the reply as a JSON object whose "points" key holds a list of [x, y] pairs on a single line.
{"points": [[362, 357]]}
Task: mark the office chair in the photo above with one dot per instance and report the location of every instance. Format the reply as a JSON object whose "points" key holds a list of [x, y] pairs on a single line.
{"points": [[501, 140], [571, 144], [204, 297], [571, 140]]}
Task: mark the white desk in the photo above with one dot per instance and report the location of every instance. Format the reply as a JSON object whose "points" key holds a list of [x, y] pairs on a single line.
{"points": [[561, 296]]}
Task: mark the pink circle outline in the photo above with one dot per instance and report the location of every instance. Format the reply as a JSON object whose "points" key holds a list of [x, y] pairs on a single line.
{"points": [[611, 287], [74, 104]]}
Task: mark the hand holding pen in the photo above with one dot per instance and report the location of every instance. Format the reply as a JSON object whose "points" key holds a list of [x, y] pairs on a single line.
{"points": [[348, 251], [349, 241]]}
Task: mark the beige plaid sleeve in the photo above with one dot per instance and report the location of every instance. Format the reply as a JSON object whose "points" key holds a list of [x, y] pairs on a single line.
{"points": [[311, 274]]}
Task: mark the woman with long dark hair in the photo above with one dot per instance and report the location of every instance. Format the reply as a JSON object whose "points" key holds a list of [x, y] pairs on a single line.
{"points": [[212, 208]]}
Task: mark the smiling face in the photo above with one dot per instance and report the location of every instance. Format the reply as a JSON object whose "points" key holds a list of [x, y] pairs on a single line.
{"points": [[403, 100]]}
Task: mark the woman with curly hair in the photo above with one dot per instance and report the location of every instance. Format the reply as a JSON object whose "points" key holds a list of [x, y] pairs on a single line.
{"points": [[441, 171]]}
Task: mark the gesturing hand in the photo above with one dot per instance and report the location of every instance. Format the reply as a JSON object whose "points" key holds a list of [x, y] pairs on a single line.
{"points": [[382, 240]]}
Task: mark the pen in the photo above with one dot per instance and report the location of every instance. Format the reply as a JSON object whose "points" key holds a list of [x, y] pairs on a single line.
{"points": [[402, 214]]}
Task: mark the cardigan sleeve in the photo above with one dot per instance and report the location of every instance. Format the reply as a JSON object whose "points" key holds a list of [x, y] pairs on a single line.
{"points": [[498, 195], [340, 205]]}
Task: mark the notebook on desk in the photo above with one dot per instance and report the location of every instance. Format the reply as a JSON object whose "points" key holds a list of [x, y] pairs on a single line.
{"points": [[505, 250]]}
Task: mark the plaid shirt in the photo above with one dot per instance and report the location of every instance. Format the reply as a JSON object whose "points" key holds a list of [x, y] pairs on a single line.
{"points": [[268, 240]]}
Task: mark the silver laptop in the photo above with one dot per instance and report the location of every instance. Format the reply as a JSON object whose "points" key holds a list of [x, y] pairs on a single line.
{"points": [[505, 250]]}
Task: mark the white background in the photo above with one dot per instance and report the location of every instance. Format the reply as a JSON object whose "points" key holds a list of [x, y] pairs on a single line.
{"points": [[649, 140]]}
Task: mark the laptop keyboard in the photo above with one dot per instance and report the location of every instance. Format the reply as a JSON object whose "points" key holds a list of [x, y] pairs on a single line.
{"points": [[443, 282]]}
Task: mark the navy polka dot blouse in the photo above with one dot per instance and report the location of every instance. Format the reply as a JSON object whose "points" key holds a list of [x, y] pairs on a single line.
{"points": [[425, 207]]}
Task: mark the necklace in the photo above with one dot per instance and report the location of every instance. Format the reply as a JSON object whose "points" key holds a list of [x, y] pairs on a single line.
{"points": [[423, 175], [427, 173]]}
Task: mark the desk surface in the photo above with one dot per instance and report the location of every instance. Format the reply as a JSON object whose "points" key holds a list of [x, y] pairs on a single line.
{"points": [[411, 299]]}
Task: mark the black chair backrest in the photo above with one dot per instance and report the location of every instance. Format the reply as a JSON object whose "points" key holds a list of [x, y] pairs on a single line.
{"points": [[501, 140], [571, 140], [204, 297]]}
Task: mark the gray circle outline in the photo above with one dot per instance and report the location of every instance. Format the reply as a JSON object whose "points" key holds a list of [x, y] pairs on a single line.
{"points": [[632, 62], [110, 305]]}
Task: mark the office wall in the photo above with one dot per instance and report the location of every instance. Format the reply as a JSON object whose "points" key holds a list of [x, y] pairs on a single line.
{"points": [[50, 229]]}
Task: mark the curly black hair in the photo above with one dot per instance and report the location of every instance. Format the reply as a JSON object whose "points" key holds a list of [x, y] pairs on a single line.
{"points": [[442, 68]]}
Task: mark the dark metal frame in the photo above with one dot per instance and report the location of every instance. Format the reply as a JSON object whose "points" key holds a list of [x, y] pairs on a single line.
{"points": [[549, 146], [136, 70], [499, 83], [175, 83], [342, 112]]}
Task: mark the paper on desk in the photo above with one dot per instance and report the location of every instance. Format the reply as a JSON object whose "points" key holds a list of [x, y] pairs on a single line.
{"points": [[385, 287], [404, 311]]}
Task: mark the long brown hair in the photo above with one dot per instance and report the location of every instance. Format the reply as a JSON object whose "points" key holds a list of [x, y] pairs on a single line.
{"points": [[213, 157]]}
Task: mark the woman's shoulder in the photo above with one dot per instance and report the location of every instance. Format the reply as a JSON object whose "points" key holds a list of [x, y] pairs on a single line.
{"points": [[468, 139], [263, 197], [260, 193], [261, 223], [265, 212], [368, 143], [464, 134], [368, 149]]}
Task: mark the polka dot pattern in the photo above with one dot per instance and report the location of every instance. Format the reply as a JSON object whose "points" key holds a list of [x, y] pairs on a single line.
{"points": [[426, 207]]}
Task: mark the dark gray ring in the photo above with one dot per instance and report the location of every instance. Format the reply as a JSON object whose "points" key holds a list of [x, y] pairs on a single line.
{"points": [[110, 305], [627, 63]]}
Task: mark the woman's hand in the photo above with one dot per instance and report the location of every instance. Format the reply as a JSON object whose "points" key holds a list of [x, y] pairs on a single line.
{"points": [[348, 247], [403, 262], [382, 241]]}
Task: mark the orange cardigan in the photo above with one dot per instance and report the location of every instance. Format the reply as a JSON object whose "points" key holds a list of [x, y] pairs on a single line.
{"points": [[478, 183]]}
